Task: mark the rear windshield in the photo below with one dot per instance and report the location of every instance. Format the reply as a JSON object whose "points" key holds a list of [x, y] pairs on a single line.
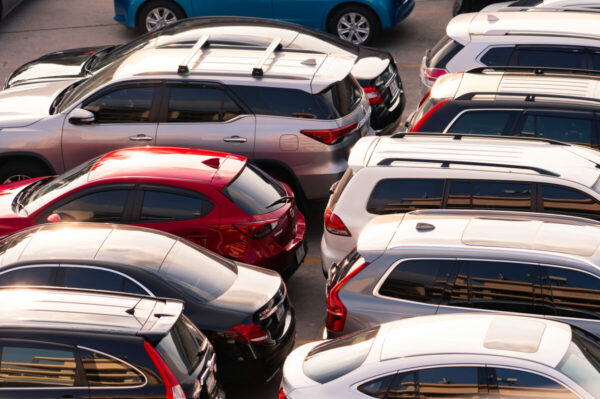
{"points": [[255, 192], [443, 52], [342, 97], [182, 348], [581, 362], [428, 103], [340, 186], [337, 357], [197, 271]]}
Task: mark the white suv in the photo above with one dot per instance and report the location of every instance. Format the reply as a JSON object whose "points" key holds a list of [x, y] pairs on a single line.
{"points": [[407, 172], [539, 37]]}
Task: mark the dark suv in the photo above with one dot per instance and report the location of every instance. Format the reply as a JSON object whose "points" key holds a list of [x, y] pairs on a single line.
{"points": [[74, 344]]}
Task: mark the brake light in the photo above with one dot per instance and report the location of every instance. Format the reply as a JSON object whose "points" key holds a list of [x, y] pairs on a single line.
{"points": [[417, 127], [336, 311], [430, 75], [249, 333], [334, 224], [257, 229], [425, 97], [172, 388], [373, 95], [330, 136], [281, 394]]}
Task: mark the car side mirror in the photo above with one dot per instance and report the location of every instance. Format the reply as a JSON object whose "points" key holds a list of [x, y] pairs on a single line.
{"points": [[53, 218], [81, 116]]}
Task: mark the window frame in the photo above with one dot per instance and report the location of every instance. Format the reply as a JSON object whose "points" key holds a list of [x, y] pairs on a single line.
{"points": [[491, 368], [442, 199], [60, 277], [492, 47], [100, 387], [540, 199]]}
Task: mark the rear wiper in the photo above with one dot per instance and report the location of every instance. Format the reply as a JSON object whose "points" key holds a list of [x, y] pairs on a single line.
{"points": [[285, 198]]}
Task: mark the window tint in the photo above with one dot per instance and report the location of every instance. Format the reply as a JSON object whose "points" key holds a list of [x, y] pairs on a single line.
{"points": [[404, 386], [254, 191], [573, 293], [405, 195], [497, 56], [567, 201], [131, 105], [572, 130], [520, 384], [200, 104], [377, 388], [36, 367], [550, 57], [162, 206], [483, 122], [502, 286], [459, 194], [443, 52], [448, 382], [101, 370], [595, 56], [28, 276], [182, 348], [496, 195], [342, 97], [88, 278], [103, 206], [418, 280], [340, 186]]}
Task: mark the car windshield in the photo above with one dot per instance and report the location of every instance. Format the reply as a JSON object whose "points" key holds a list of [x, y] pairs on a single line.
{"points": [[82, 88], [581, 363]]}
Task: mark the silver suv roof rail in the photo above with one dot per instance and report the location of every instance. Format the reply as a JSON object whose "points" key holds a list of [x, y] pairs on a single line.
{"points": [[184, 67], [458, 136], [528, 97], [447, 162], [546, 9], [275, 45], [537, 70]]}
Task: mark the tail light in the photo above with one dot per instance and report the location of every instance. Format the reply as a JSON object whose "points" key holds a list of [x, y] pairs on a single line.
{"points": [[373, 95], [417, 127], [336, 311], [249, 333], [334, 224], [430, 75], [172, 388], [330, 136], [424, 98], [281, 394], [257, 229]]}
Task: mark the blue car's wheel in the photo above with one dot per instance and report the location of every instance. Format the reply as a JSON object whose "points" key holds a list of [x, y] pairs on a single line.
{"points": [[157, 14], [355, 24]]}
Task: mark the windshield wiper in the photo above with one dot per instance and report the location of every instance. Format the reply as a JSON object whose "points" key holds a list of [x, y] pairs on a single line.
{"points": [[285, 198]]}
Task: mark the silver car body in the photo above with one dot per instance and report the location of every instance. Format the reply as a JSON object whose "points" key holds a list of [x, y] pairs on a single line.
{"points": [[7, 6]]}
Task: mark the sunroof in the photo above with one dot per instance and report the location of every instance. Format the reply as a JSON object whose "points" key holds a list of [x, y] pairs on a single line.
{"points": [[505, 334]]}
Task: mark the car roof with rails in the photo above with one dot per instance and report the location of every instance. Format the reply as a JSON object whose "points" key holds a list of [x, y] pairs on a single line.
{"points": [[485, 153], [87, 311]]}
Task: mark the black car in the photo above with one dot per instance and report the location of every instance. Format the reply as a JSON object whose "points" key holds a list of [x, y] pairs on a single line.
{"points": [[374, 69], [243, 310], [57, 343], [463, 6]]}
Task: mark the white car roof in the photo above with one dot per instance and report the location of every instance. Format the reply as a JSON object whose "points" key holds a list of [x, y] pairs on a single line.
{"points": [[534, 339], [546, 4], [486, 153]]}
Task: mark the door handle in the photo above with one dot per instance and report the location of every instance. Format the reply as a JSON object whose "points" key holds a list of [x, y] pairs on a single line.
{"points": [[235, 139], [141, 137]]}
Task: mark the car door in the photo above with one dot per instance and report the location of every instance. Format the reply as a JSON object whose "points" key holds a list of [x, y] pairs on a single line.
{"points": [[124, 116], [39, 370], [245, 8], [205, 115], [304, 12]]}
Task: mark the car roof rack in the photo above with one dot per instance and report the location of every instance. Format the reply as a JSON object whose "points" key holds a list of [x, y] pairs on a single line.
{"points": [[275, 45], [446, 164], [535, 70], [184, 68], [528, 96], [459, 136], [545, 9]]}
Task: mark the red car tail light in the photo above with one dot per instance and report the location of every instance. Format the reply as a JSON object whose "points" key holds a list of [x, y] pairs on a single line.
{"points": [[430, 75], [249, 333], [417, 127], [373, 95], [330, 136], [257, 229], [172, 388], [334, 224], [281, 394], [336, 311]]}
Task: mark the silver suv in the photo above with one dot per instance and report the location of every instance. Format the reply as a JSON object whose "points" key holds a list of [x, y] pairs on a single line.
{"points": [[295, 113]]}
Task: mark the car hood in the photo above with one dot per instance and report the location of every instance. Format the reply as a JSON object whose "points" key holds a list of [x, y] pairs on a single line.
{"points": [[9, 221], [23, 105], [66, 64]]}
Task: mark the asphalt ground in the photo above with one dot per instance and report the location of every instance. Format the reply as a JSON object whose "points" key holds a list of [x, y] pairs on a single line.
{"points": [[37, 27]]}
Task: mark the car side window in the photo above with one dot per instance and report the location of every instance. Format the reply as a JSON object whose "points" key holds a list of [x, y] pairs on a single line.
{"points": [[558, 57], [520, 384], [405, 195], [28, 276], [489, 195], [484, 122], [568, 201], [572, 293], [102, 206], [127, 105], [158, 206], [200, 104], [595, 56], [99, 279], [101, 370], [497, 56], [36, 367], [572, 130], [377, 388], [437, 382], [420, 280]]}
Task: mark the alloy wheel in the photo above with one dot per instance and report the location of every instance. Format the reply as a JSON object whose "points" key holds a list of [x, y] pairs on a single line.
{"points": [[353, 27], [159, 17]]}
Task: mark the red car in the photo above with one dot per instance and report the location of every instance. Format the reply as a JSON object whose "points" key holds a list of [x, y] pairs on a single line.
{"points": [[216, 200]]}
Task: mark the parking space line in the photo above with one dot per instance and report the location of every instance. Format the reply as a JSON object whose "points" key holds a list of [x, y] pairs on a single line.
{"points": [[312, 260]]}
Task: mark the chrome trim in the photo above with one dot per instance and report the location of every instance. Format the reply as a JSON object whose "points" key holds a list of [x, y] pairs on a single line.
{"points": [[464, 111], [121, 361], [112, 271]]}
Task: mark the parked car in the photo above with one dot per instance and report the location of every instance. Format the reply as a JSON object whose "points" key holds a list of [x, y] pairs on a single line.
{"points": [[447, 261], [464, 6], [71, 344], [214, 199], [296, 113], [7, 6], [452, 356], [244, 310], [358, 22], [406, 172], [525, 4], [543, 38], [374, 69], [514, 101]]}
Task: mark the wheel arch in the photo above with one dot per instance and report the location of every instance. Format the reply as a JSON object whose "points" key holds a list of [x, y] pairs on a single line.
{"points": [[27, 156]]}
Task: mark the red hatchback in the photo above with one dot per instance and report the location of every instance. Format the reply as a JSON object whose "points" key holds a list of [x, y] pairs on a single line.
{"points": [[216, 200]]}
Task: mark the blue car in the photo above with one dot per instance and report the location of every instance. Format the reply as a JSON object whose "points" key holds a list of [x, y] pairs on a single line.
{"points": [[357, 21]]}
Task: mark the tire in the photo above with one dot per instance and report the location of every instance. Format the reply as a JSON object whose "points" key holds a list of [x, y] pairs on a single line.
{"points": [[354, 20], [16, 170], [156, 14]]}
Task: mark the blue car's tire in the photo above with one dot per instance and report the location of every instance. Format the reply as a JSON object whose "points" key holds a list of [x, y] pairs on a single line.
{"points": [[354, 23], [157, 14]]}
